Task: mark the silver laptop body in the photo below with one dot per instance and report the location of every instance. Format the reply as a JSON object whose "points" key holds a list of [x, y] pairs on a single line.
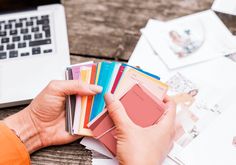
{"points": [[33, 49]]}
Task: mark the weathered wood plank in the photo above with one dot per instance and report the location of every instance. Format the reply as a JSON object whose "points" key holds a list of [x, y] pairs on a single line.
{"points": [[229, 21], [9, 111], [73, 153], [79, 59], [111, 28]]}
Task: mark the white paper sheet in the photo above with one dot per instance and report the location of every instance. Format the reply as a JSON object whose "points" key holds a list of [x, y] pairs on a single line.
{"points": [[216, 145], [225, 6], [104, 162]]}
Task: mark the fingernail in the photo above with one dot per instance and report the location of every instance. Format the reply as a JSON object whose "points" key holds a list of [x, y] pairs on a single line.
{"points": [[109, 98], [95, 88]]}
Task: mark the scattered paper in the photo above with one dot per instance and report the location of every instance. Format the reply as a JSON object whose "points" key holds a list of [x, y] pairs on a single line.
{"points": [[207, 78]]}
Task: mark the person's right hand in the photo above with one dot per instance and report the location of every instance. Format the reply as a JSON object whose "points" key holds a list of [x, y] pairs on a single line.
{"points": [[137, 145]]}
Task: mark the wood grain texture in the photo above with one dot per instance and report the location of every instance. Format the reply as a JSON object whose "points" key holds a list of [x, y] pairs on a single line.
{"points": [[73, 153], [110, 29]]}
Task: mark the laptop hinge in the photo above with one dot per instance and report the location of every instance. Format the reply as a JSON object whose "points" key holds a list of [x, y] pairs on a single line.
{"points": [[16, 11]]}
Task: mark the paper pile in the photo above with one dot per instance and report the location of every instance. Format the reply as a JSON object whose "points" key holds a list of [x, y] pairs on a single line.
{"points": [[190, 59]]}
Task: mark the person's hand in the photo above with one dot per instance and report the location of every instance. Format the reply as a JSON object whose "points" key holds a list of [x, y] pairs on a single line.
{"points": [[42, 123], [136, 145]]}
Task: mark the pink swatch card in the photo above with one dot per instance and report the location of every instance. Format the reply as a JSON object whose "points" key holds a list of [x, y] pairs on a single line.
{"points": [[142, 107]]}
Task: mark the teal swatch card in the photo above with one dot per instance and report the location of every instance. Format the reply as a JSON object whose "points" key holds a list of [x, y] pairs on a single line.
{"points": [[104, 80]]}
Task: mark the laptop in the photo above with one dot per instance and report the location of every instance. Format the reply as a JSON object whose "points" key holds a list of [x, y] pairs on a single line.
{"points": [[33, 48]]}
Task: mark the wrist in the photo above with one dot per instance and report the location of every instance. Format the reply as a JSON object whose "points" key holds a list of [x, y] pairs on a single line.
{"points": [[21, 123]]}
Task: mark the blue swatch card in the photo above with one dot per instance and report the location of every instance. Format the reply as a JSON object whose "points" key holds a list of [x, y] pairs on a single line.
{"points": [[147, 73], [104, 80]]}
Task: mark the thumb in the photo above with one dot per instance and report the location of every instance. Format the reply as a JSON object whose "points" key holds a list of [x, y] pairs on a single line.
{"points": [[72, 87], [168, 118], [117, 111]]}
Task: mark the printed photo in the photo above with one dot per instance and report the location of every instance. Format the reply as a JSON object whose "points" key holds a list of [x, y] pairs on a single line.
{"points": [[192, 113], [234, 141], [190, 39], [184, 42]]}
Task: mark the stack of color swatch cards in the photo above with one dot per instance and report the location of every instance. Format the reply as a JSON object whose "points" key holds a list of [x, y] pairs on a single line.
{"points": [[140, 92]]}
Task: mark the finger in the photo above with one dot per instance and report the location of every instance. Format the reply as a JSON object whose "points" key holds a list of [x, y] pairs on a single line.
{"points": [[170, 112], [168, 118], [71, 87], [167, 99], [117, 111]]}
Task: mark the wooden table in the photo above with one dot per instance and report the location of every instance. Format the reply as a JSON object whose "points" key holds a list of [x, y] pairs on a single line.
{"points": [[109, 30]]}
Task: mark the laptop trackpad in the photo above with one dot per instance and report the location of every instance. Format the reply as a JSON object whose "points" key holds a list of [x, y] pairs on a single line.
{"points": [[24, 80]]}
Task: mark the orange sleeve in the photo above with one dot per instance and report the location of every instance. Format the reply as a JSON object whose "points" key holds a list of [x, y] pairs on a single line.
{"points": [[12, 150]]}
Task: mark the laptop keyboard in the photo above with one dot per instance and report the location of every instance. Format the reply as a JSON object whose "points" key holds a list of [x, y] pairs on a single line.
{"points": [[24, 37]]}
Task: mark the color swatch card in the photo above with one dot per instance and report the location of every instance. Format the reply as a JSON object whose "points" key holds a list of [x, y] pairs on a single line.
{"points": [[105, 77], [72, 101], [132, 76], [142, 107], [85, 114], [78, 111]]}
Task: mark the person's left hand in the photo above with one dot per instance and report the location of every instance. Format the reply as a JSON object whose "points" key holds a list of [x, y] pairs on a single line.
{"points": [[42, 123]]}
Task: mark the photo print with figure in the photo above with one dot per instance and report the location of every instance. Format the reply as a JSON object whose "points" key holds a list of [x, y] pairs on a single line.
{"points": [[194, 108], [190, 39], [186, 39]]}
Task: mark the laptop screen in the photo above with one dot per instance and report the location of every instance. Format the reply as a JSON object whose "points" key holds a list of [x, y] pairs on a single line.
{"points": [[7, 6]]}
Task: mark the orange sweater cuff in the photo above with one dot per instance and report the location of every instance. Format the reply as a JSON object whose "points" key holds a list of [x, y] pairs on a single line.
{"points": [[12, 150]]}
